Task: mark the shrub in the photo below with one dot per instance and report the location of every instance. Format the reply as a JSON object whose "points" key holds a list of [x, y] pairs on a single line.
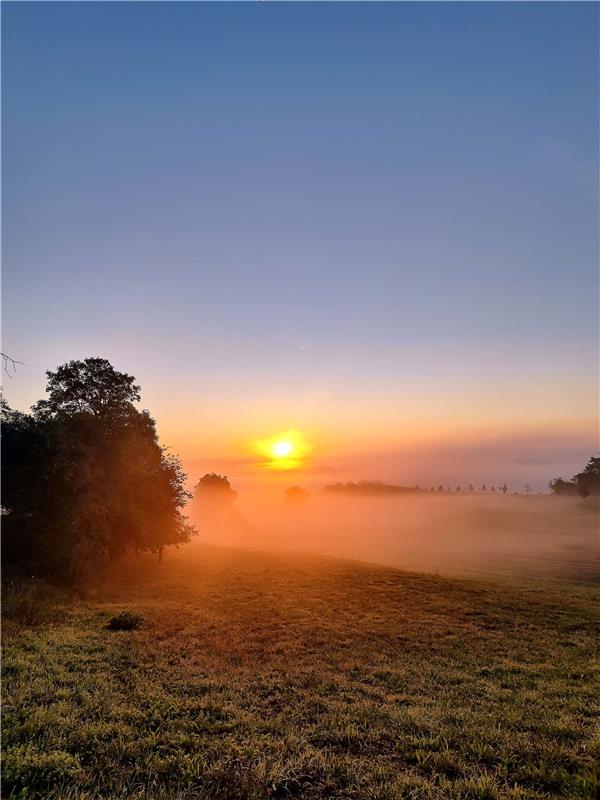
{"points": [[125, 621]]}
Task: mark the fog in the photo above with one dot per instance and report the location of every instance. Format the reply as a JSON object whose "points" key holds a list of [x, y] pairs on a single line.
{"points": [[448, 534]]}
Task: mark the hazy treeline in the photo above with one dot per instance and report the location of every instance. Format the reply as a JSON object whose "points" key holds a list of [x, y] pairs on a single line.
{"points": [[584, 484], [84, 477], [379, 488]]}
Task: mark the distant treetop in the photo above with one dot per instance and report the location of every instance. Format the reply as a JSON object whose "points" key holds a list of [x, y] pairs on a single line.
{"points": [[212, 486], [296, 495]]}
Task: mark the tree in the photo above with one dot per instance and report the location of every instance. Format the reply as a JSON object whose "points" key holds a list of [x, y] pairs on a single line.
{"points": [[91, 386], [561, 487], [584, 483], [296, 496], [214, 508], [583, 491], [85, 478], [471, 487], [588, 481], [527, 489], [213, 490]]}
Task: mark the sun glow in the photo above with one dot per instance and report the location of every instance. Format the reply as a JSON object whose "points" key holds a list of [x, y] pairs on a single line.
{"points": [[286, 450], [282, 449]]}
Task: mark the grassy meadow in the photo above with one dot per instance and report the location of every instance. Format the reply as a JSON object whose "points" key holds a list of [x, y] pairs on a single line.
{"points": [[261, 675]]}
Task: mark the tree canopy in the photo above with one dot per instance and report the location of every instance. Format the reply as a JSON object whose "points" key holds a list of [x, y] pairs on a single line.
{"points": [[214, 490], [92, 386], [85, 478]]}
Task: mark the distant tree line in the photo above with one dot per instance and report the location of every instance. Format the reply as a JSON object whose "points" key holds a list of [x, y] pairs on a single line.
{"points": [[584, 484], [84, 478], [379, 488], [372, 487]]}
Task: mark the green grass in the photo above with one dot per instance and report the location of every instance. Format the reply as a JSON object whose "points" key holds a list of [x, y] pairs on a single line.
{"points": [[266, 676]]}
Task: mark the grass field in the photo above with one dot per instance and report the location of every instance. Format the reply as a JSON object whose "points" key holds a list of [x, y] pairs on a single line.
{"points": [[274, 676]]}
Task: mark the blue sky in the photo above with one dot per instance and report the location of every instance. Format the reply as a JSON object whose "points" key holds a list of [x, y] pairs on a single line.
{"points": [[337, 217]]}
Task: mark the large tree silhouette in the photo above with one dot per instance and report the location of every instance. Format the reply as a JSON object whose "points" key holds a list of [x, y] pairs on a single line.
{"points": [[85, 478]]}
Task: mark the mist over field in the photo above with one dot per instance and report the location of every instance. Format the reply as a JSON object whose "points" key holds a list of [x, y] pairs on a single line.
{"points": [[451, 534], [299, 460]]}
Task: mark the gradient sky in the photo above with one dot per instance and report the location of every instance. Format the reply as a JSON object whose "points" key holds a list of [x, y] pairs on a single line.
{"points": [[376, 223]]}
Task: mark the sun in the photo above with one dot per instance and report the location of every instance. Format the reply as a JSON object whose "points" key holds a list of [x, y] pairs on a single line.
{"points": [[287, 450], [282, 449]]}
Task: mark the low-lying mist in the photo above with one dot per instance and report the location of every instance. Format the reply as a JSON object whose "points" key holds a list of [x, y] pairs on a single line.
{"points": [[446, 534]]}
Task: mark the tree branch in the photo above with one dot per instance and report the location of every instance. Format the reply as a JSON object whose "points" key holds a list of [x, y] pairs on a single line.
{"points": [[9, 365]]}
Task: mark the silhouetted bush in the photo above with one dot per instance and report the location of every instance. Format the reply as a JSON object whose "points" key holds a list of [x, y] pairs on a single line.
{"points": [[125, 621]]}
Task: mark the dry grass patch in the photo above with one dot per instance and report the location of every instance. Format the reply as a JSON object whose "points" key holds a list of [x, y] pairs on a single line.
{"points": [[265, 676]]}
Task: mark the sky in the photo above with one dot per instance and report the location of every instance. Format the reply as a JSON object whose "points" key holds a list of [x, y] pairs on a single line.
{"points": [[373, 223]]}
